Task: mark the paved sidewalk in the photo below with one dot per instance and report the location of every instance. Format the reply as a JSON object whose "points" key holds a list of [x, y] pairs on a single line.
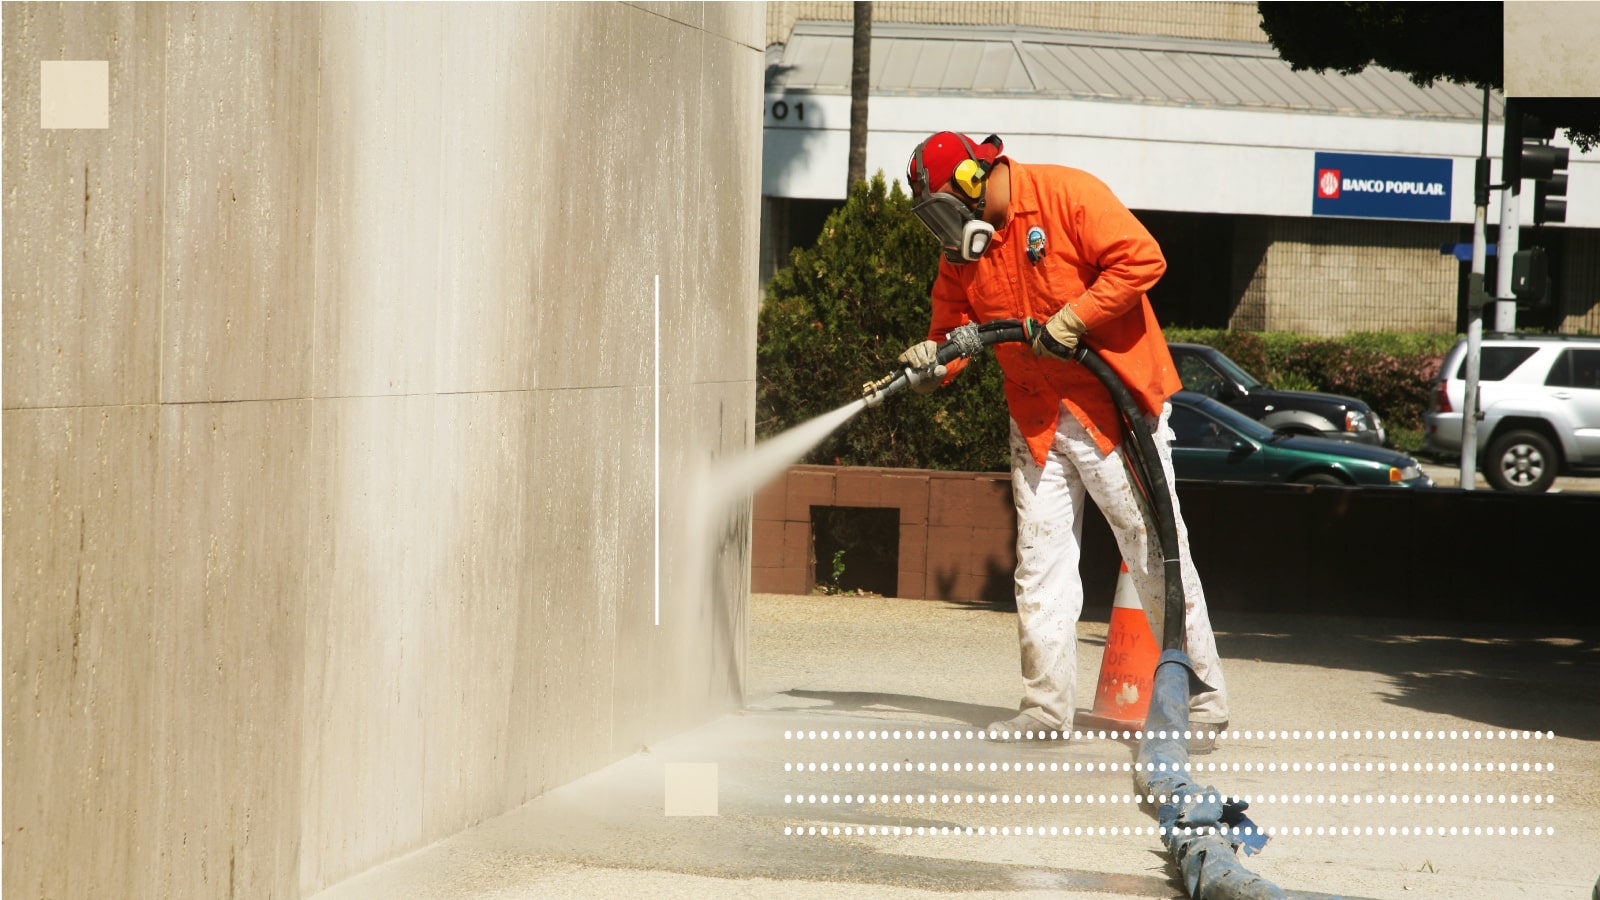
{"points": [[1448, 475], [856, 666]]}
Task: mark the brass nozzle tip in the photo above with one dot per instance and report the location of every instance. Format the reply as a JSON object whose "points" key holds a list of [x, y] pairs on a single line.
{"points": [[872, 387]]}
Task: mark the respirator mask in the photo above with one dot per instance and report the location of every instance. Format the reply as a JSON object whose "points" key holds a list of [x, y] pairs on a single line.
{"points": [[957, 223], [962, 234]]}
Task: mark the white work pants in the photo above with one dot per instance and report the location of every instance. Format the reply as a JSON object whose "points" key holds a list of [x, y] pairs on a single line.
{"points": [[1050, 503]]}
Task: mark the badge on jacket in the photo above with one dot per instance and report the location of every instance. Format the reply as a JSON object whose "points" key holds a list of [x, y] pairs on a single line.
{"points": [[1035, 244]]}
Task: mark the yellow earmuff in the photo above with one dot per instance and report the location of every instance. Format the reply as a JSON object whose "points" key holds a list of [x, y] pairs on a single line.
{"points": [[969, 177]]}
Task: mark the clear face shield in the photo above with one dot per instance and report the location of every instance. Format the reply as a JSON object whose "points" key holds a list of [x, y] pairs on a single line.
{"points": [[962, 234]]}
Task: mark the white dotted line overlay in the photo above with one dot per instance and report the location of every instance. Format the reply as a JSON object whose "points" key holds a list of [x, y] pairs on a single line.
{"points": [[1174, 767], [1275, 735], [1000, 799], [1081, 831]]}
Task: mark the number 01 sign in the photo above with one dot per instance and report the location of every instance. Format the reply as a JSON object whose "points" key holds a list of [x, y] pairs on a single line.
{"points": [[785, 111]]}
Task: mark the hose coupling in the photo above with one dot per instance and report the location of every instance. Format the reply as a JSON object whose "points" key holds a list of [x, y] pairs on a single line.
{"points": [[966, 340]]}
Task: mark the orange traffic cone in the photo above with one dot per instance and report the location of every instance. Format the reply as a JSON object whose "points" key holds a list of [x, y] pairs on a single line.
{"points": [[1127, 671]]}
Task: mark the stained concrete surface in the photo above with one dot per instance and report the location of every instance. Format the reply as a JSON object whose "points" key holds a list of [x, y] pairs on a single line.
{"points": [[855, 665], [328, 507]]}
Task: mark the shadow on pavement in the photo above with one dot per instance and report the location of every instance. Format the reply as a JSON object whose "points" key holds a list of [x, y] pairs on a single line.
{"points": [[1500, 676], [974, 714]]}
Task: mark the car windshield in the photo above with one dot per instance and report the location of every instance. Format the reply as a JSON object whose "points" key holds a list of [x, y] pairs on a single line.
{"points": [[1246, 426], [1232, 370]]}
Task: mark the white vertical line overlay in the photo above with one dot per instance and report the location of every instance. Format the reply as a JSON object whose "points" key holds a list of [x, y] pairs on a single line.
{"points": [[657, 528]]}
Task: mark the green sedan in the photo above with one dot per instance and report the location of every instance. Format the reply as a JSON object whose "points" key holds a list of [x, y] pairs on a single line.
{"points": [[1214, 443]]}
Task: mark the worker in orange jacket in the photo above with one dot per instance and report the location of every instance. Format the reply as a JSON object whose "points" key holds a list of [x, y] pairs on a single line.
{"points": [[1053, 244]]}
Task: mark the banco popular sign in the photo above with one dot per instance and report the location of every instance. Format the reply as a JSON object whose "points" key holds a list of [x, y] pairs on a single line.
{"points": [[1381, 187]]}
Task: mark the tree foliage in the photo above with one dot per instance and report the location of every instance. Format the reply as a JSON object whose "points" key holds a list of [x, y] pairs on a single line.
{"points": [[1580, 117], [1427, 42], [1462, 43], [837, 317]]}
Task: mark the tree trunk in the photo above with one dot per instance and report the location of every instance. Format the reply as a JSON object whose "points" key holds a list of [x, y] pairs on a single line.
{"points": [[860, 76]]}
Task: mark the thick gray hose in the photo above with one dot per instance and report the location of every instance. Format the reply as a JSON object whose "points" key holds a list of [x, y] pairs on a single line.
{"points": [[1202, 829]]}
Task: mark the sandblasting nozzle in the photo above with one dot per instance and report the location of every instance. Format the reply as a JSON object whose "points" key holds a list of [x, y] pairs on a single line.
{"points": [[872, 390]]}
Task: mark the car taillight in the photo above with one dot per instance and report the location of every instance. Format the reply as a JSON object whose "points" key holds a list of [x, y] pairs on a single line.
{"points": [[1441, 397]]}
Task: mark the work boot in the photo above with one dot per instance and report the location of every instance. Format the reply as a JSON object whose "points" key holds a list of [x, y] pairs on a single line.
{"points": [[1204, 735], [1023, 727]]}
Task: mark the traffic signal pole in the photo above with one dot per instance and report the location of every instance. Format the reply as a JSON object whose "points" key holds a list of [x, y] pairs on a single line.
{"points": [[1505, 313], [1477, 298]]}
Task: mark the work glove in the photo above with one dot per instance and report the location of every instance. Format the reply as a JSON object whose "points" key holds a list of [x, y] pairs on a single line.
{"points": [[1064, 328], [922, 367]]}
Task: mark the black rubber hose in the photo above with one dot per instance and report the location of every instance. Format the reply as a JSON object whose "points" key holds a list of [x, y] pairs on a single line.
{"points": [[1159, 491], [999, 331], [966, 341], [961, 343], [1143, 453]]}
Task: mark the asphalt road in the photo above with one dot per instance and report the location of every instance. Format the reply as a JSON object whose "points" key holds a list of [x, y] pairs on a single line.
{"points": [[1431, 736]]}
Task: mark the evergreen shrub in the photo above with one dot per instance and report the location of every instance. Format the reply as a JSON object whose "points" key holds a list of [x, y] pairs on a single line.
{"points": [[837, 317]]}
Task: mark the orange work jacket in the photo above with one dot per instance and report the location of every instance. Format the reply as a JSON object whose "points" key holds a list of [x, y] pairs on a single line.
{"points": [[1096, 257]]}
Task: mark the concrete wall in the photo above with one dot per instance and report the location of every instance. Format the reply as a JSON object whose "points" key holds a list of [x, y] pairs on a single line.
{"points": [[329, 423]]}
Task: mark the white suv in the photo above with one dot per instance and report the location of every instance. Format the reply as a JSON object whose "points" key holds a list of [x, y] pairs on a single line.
{"points": [[1540, 395]]}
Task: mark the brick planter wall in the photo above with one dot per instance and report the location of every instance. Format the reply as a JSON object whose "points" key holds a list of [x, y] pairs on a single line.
{"points": [[957, 536], [1259, 548]]}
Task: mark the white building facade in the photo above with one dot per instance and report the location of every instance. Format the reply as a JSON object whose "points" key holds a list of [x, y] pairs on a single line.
{"points": [[1285, 201]]}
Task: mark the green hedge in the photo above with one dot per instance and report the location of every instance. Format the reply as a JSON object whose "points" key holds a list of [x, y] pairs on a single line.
{"points": [[1391, 371], [843, 309]]}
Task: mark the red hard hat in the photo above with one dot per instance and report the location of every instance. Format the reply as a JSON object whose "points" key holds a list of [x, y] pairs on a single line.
{"points": [[935, 159]]}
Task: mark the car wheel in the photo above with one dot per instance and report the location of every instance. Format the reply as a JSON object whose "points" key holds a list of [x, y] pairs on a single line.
{"points": [[1321, 478], [1521, 461]]}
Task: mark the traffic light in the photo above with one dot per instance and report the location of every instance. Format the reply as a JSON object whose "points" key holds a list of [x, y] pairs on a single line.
{"points": [[1530, 275], [1546, 165], [1550, 195]]}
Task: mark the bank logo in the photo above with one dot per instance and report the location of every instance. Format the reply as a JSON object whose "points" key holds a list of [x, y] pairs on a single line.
{"points": [[1361, 186], [1328, 183]]}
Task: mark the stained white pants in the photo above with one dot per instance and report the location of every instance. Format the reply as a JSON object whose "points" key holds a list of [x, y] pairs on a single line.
{"points": [[1050, 502]]}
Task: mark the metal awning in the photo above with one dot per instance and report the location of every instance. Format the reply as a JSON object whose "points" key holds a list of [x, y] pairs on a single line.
{"points": [[977, 61]]}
